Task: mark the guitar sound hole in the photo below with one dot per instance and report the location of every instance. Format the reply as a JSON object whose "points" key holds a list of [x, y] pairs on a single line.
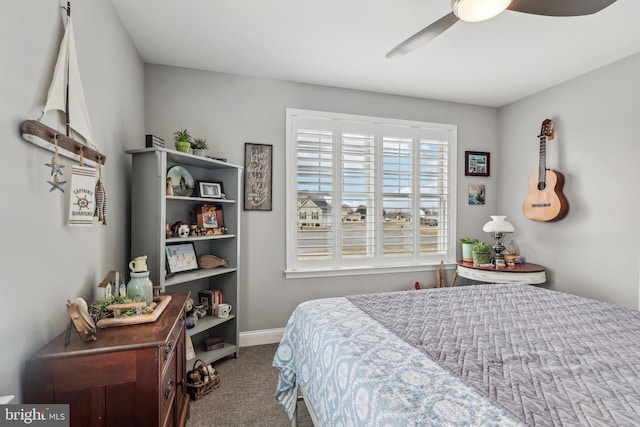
{"points": [[542, 186]]}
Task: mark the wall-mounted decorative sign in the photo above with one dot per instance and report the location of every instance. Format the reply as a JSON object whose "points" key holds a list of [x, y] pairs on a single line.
{"points": [[258, 162], [476, 163]]}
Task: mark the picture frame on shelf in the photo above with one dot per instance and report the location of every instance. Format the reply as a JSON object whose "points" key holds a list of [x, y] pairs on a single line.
{"points": [[181, 257], [258, 163], [210, 217], [211, 190], [477, 163]]}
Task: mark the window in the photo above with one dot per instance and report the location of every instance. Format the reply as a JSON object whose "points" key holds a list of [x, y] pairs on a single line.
{"points": [[380, 193]]}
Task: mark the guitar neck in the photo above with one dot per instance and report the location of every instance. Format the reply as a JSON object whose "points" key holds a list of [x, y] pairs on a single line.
{"points": [[542, 164]]}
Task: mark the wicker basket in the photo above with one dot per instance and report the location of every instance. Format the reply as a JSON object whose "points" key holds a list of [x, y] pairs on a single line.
{"points": [[197, 385]]}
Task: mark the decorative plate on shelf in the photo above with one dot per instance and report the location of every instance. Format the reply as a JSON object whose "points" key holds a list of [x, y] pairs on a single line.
{"points": [[182, 182]]}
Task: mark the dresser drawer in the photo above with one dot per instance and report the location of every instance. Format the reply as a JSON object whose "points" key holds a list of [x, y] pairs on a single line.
{"points": [[168, 387], [172, 342]]}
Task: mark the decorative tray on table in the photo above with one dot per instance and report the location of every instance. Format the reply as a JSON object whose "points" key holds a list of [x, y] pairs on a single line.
{"points": [[140, 317]]}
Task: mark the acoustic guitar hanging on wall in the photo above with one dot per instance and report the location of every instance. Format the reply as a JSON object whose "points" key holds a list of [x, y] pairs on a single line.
{"points": [[545, 201]]}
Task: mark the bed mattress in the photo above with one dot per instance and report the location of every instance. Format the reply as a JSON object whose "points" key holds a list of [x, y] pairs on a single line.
{"points": [[475, 355]]}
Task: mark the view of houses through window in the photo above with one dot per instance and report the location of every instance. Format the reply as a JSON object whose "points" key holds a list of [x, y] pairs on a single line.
{"points": [[368, 192]]}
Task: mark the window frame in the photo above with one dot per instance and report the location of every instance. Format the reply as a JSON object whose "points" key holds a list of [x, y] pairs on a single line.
{"points": [[292, 269]]}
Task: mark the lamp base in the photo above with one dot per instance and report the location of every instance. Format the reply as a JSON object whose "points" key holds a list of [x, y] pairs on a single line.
{"points": [[498, 259]]}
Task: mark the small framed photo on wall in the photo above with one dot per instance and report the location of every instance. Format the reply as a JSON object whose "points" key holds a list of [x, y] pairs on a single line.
{"points": [[476, 163], [477, 194]]}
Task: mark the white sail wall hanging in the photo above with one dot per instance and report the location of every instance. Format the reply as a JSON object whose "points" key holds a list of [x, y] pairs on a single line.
{"points": [[66, 95], [69, 98]]}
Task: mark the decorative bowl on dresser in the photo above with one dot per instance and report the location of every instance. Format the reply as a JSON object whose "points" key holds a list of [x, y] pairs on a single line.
{"points": [[131, 375]]}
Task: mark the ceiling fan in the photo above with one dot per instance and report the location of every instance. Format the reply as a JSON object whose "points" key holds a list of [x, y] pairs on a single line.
{"points": [[481, 10]]}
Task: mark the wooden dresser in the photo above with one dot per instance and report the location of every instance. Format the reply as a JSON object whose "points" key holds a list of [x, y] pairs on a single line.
{"points": [[131, 375]]}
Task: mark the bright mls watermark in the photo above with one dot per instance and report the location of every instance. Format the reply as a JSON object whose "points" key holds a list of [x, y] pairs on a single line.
{"points": [[34, 415]]}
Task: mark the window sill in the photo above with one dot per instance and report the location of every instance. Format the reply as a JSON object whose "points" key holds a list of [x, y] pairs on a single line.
{"points": [[362, 271]]}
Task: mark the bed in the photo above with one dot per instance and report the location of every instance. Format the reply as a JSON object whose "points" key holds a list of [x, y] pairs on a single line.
{"points": [[484, 355]]}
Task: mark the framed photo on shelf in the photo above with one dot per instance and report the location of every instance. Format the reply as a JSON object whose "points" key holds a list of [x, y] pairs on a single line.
{"points": [[211, 190], [476, 163], [181, 257], [258, 162], [210, 217]]}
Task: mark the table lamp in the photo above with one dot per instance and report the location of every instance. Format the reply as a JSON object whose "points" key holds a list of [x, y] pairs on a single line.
{"points": [[498, 227]]}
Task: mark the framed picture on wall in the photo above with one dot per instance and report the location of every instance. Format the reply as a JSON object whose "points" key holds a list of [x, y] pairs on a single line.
{"points": [[476, 163], [477, 194]]}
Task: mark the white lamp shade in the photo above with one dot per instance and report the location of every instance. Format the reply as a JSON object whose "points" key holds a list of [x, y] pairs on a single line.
{"points": [[478, 10], [498, 225]]}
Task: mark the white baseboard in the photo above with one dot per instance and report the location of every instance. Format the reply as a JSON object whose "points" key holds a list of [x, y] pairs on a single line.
{"points": [[264, 336]]}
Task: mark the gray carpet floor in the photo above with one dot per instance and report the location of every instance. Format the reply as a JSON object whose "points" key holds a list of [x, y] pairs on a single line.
{"points": [[246, 397]]}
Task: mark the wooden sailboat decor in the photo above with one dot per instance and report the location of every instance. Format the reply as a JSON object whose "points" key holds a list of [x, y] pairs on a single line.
{"points": [[66, 95]]}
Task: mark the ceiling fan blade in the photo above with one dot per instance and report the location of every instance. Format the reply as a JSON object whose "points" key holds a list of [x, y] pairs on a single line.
{"points": [[422, 37], [560, 7]]}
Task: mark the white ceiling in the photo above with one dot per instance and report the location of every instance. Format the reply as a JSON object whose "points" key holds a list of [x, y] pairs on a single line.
{"points": [[343, 43]]}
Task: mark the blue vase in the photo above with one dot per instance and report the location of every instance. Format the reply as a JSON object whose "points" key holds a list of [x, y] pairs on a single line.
{"points": [[140, 287]]}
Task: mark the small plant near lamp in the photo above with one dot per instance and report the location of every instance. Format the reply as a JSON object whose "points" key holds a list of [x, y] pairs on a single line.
{"points": [[182, 139], [199, 146], [481, 253], [467, 248]]}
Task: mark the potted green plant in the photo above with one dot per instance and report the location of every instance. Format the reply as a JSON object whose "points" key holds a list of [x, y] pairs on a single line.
{"points": [[199, 146], [481, 253], [183, 140], [467, 248]]}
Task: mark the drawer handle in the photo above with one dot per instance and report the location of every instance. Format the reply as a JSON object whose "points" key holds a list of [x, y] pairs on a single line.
{"points": [[167, 349], [169, 389]]}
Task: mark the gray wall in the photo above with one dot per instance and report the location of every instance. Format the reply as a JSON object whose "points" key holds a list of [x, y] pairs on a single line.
{"points": [[591, 252], [43, 262], [230, 110]]}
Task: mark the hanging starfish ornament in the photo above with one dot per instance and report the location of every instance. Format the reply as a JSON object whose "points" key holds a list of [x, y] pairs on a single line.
{"points": [[55, 168], [56, 171]]}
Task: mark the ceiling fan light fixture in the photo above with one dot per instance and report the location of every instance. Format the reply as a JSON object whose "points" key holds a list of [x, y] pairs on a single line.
{"points": [[478, 10]]}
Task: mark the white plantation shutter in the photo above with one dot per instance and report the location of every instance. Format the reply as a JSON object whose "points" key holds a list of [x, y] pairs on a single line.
{"points": [[315, 182], [434, 160], [357, 171], [366, 192]]}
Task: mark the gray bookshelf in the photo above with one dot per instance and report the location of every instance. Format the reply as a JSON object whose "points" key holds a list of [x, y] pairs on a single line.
{"points": [[152, 209]]}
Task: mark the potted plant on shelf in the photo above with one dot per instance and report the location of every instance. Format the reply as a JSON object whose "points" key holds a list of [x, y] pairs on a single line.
{"points": [[199, 146], [481, 253], [467, 248], [183, 140]]}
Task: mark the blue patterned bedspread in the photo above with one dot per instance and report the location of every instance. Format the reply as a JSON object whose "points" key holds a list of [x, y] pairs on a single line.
{"points": [[356, 372]]}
